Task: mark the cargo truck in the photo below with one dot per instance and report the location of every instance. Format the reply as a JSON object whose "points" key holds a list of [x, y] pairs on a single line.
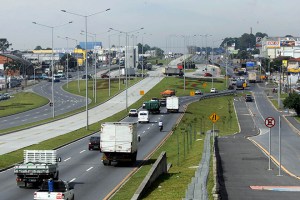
{"points": [[118, 142], [153, 106], [129, 71], [169, 71], [37, 166], [252, 77], [172, 104]]}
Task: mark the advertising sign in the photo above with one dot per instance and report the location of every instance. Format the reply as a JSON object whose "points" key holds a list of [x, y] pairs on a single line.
{"points": [[297, 43], [287, 43], [258, 42], [273, 44]]}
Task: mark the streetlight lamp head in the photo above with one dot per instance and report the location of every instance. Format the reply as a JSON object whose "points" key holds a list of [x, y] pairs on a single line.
{"points": [[34, 22], [107, 9], [70, 22], [63, 10]]}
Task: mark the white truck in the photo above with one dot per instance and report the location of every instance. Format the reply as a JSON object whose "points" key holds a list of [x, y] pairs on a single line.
{"points": [[172, 104], [52, 189], [38, 165], [130, 71], [169, 71], [118, 142], [252, 77]]}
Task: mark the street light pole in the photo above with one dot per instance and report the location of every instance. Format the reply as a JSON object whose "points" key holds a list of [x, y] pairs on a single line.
{"points": [[52, 66], [86, 67], [126, 59]]}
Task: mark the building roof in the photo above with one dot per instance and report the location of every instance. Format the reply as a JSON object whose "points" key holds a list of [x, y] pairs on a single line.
{"points": [[16, 58]]}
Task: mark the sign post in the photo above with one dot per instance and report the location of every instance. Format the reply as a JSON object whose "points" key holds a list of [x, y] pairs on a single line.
{"points": [[214, 118], [270, 122]]}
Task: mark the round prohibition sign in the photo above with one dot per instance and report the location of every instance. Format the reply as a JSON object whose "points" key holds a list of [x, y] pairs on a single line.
{"points": [[270, 122]]}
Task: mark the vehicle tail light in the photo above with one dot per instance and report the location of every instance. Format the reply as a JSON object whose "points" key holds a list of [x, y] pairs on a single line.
{"points": [[34, 195], [60, 196], [18, 179]]}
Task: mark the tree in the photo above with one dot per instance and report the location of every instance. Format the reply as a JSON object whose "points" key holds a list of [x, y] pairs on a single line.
{"points": [[38, 48], [293, 102], [4, 44], [72, 62]]}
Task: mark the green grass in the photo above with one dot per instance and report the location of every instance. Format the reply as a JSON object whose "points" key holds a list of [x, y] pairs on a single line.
{"points": [[21, 102], [174, 184]]}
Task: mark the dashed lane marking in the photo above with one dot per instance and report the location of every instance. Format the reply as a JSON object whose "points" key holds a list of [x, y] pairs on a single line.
{"points": [[67, 159], [82, 151], [89, 169]]}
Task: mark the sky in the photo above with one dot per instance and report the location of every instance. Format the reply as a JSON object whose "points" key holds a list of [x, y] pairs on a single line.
{"points": [[167, 24]]}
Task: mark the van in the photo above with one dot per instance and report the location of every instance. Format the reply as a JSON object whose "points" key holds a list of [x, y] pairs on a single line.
{"points": [[143, 116]]}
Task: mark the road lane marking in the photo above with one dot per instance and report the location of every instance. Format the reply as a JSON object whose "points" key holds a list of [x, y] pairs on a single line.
{"points": [[72, 180], [89, 169], [148, 128], [82, 151], [67, 159]]}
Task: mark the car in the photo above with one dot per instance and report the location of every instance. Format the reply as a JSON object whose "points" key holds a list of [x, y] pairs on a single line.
{"points": [[248, 98], [213, 90], [233, 81], [198, 92], [70, 76], [94, 143], [88, 76], [207, 74], [133, 113], [57, 78], [104, 76]]}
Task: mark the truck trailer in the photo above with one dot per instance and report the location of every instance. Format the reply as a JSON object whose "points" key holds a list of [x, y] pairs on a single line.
{"points": [[172, 104], [153, 106], [118, 142], [38, 165], [169, 71], [129, 71]]}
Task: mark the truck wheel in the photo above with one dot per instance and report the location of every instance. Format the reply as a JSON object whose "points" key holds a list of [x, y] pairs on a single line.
{"points": [[105, 163]]}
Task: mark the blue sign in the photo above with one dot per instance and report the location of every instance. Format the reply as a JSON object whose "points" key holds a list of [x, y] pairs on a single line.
{"points": [[249, 64]]}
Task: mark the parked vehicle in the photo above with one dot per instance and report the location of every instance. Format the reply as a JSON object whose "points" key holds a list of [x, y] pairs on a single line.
{"points": [[172, 104], [169, 71], [37, 166], [143, 116], [133, 113], [153, 106], [94, 143], [54, 189], [118, 142]]}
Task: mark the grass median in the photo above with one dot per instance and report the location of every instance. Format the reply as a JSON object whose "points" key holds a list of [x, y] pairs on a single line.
{"points": [[184, 150]]}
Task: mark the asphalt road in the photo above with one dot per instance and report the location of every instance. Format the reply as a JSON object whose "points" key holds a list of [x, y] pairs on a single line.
{"points": [[84, 169], [244, 166]]}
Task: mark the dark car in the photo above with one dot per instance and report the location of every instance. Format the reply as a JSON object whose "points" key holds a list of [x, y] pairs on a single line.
{"points": [[104, 76], [88, 76], [198, 92], [94, 142], [208, 74], [248, 98]]}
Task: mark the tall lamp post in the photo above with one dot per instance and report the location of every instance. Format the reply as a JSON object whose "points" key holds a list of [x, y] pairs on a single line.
{"points": [[52, 66], [86, 68], [126, 58]]}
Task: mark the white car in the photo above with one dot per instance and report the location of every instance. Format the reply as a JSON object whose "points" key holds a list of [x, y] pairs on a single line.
{"points": [[213, 90], [143, 116]]}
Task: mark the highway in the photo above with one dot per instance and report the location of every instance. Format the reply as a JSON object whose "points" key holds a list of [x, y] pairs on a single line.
{"points": [[84, 169]]}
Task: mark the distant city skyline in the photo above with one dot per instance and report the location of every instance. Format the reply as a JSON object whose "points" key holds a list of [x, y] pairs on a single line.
{"points": [[168, 24]]}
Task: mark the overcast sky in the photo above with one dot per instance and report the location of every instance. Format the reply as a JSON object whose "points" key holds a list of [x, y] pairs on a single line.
{"points": [[163, 21]]}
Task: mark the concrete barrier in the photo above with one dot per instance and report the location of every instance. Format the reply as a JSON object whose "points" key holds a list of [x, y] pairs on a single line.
{"points": [[159, 167]]}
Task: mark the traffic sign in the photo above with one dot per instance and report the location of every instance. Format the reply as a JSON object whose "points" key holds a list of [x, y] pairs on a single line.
{"points": [[270, 122], [192, 93], [204, 84], [214, 117]]}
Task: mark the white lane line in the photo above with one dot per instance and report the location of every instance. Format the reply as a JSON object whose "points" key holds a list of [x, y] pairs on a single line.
{"points": [[89, 169], [67, 159], [148, 128], [82, 151], [17, 117], [144, 131], [72, 180]]}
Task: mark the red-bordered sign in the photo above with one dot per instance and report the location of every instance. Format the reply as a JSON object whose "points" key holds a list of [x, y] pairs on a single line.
{"points": [[270, 122]]}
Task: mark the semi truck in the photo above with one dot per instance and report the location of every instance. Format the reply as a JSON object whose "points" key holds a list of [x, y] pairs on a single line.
{"points": [[129, 71], [153, 106], [172, 104], [118, 142], [169, 71], [37, 166], [54, 189]]}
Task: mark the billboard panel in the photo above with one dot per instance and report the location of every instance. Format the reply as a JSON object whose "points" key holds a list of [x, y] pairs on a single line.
{"points": [[273, 44], [287, 43]]}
